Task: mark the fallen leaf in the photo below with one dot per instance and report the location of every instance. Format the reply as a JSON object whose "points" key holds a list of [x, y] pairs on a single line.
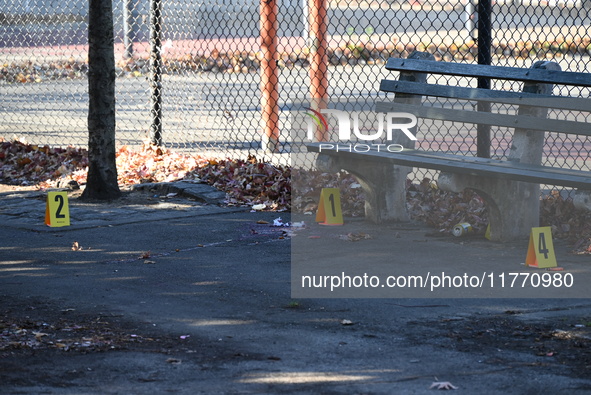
{"points": [[442, 385], [310, 207], [39, 335], [145, 255], [355, 236]]}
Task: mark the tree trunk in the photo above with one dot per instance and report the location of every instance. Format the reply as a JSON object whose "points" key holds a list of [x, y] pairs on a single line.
{"points": [[102, 170]]}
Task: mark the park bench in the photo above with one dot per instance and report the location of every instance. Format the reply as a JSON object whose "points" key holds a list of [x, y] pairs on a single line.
{"points": [[511, 186]]}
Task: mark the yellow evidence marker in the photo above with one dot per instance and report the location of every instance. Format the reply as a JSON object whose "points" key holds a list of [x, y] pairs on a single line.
{"points": [[487, 233], [57, 211], [540, 252], [329, 210]]}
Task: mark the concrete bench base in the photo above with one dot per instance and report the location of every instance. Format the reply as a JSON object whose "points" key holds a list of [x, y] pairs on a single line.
{"points": [[514, 206]]}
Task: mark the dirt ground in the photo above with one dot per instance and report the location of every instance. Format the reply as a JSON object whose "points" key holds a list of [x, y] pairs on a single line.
{"points": [[43, 345], [488, 335]]}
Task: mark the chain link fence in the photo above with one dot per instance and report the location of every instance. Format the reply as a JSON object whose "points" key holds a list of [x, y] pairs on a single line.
{"points": [[222, 92]]}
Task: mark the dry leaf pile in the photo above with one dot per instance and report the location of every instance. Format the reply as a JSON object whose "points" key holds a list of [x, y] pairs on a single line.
{"points": [[250, 182], [567, 222], [80, 336], [27, 71], [27, 164], [443, 210], [150, 163], [246, 182], [308, 183]]}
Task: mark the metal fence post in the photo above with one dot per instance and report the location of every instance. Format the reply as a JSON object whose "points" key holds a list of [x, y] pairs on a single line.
{"points": [[269, 77], [306, 20], [318, 60], [484, 57], [469, 16], [128, 28], [156, 71]]}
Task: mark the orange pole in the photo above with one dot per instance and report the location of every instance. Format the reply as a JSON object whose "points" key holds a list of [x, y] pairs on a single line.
{"points": [[269, 76], [318, 60]]}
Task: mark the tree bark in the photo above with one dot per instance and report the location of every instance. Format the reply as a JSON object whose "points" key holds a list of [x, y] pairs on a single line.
{"points": [[102, 171]]}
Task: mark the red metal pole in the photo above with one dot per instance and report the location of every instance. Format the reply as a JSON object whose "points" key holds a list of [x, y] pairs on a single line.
{"points": [[269, 76], [318, 60]]}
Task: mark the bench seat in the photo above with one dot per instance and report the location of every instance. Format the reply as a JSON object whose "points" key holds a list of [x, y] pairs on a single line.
{"points": [[464, 165]]}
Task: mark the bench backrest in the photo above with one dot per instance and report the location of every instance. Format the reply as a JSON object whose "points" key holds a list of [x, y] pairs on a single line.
{"points": [[534, 76]]}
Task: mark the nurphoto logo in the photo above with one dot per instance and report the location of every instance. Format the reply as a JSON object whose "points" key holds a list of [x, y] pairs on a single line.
{"points": [[348, 126]]}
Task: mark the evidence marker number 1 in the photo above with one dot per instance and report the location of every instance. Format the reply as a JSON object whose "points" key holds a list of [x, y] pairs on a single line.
{"points": [[329, 209]]}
